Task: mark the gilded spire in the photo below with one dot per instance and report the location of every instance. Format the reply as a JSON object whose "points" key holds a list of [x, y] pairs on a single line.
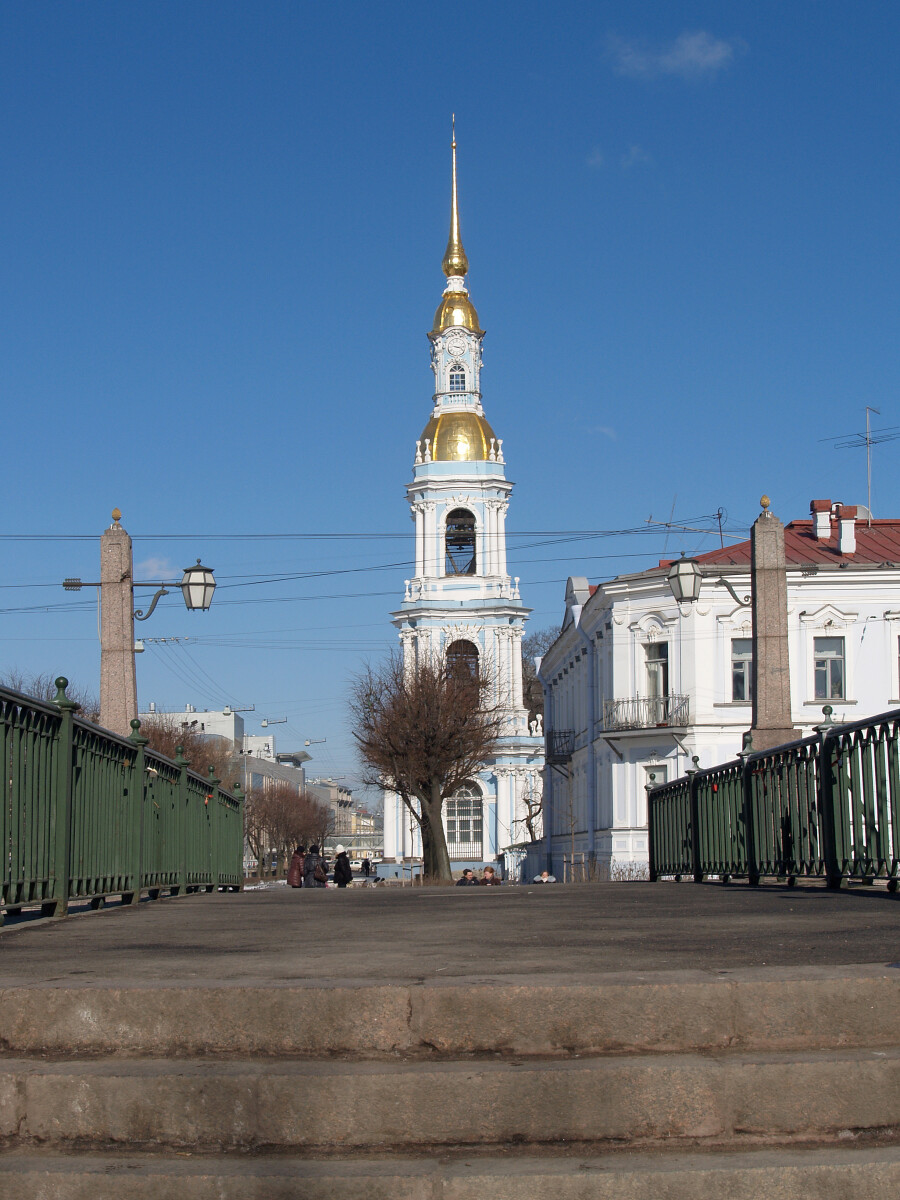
{"points": [[455, 261]]}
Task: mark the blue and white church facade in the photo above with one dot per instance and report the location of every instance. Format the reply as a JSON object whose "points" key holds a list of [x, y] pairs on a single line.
{"points": [[461, 602]]}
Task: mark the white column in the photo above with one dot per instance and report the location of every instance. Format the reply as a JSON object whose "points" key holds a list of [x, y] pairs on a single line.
{"points": [[506, 808], [503, 679], [501, 537], [516, 644], [490, 514], [419, 515], [430, 523]]}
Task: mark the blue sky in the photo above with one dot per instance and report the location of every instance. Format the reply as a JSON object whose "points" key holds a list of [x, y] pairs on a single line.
{"points": [[222, 227]]}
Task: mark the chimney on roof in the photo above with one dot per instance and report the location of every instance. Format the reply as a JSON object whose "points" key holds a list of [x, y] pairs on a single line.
{"points": [[846, 515], [821, 513]]}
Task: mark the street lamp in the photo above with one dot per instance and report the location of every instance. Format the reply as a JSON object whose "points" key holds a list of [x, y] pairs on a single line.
{"points": [[684, 579], [771, 723], [118, 687], [197, 587]]}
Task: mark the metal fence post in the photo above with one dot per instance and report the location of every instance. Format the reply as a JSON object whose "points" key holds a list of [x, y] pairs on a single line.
{"points": [[238, 794], [135, 803], [61, 803], [696, 864], [212, 825], [651, 832], [181, 821], [750, 823], [828, 797]]}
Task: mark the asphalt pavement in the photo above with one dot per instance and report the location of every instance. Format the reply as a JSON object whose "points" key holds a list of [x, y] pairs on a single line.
{"points": [[401, 935]]}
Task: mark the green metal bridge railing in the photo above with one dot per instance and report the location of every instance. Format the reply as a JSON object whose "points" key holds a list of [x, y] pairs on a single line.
{"points": [[87, 814], [826, 806]]}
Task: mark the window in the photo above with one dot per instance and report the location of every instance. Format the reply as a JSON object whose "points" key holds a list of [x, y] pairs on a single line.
{"points": [[464, 823], [463, 656], [741, 670], [828, 657], [659, 771], [460, 543], [658, 670], [457, 379]]}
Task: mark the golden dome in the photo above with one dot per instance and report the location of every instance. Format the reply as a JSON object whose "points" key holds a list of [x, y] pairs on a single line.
{"points": [[458, 437], [456, 308]]}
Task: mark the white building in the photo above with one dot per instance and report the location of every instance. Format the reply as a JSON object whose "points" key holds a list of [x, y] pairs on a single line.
{"points": [[461, 601], [255, 755], [636, 684]]}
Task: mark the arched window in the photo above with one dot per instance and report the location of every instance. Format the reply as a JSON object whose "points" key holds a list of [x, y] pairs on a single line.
{"points": [[457, 378], [463, 656], [460, 543], [464, 823]]}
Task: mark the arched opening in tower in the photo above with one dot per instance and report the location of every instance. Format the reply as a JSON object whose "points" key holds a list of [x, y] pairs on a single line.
{"points": [[460, 543], [462, 656]]}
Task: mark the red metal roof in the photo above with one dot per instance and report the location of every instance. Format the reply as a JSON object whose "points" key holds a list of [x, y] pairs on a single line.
{"points": [[875, 544]]}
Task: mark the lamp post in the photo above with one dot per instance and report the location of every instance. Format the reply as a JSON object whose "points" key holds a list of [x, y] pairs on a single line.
{"points": [[118, 684], [684, 579], [771, 723]]}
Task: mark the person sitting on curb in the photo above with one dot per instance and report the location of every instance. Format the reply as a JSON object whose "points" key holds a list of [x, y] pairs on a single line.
{"points": [[545, 877], [491, 878], [468, 878]]}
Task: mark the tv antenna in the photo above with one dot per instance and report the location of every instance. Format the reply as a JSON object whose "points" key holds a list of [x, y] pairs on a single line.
{"points": [[854, 441]]}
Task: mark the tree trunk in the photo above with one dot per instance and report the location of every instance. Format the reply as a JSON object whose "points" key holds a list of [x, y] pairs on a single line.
{"points": [[435, 857]]}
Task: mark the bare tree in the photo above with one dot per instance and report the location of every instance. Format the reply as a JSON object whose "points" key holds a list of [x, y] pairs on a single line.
{"points": [[533, 800], [279, 818], [167, 732], [422, 732], [43, 687], [533, 646]]}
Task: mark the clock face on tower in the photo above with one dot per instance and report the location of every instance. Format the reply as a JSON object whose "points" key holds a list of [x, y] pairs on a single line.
{"points": [[456, 346]]}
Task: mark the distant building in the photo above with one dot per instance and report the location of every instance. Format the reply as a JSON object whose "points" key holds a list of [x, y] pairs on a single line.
{"points": [[636, 685], [256, 759], [355, 828]]}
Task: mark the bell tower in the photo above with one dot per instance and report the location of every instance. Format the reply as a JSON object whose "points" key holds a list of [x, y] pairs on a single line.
{"points": [[461, 601]]}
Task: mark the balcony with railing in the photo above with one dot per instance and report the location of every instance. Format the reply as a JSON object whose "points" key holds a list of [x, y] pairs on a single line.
{"points": [[646, 712], [560, 745]]}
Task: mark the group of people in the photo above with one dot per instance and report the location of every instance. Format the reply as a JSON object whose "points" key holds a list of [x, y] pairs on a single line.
{"points": [[309, 868], [490, 878]]}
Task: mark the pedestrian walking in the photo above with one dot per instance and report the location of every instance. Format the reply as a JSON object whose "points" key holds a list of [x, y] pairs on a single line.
{"points": [[366, 868], [314, 873], [343, 872], [295, 870]]}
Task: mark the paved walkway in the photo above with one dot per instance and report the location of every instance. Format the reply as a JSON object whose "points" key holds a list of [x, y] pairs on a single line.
{"points": [[397, 935]]}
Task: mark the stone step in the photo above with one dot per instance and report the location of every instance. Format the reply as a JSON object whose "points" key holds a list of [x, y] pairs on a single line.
{"points": [[778, 1008], [329, 1106], [822, 1174]]}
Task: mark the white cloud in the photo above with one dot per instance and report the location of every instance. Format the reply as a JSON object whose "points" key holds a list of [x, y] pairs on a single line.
{"points": [[595, 158], [606, 430], [635, 156], [692, 55], [155, 568]]}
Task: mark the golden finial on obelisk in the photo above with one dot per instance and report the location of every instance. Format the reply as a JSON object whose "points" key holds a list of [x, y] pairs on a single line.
{"points": [[455, 261]]}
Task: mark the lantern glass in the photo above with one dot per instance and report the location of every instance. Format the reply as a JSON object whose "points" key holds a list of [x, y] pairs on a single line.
{"points": [[684, 580], [197, 587]]}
